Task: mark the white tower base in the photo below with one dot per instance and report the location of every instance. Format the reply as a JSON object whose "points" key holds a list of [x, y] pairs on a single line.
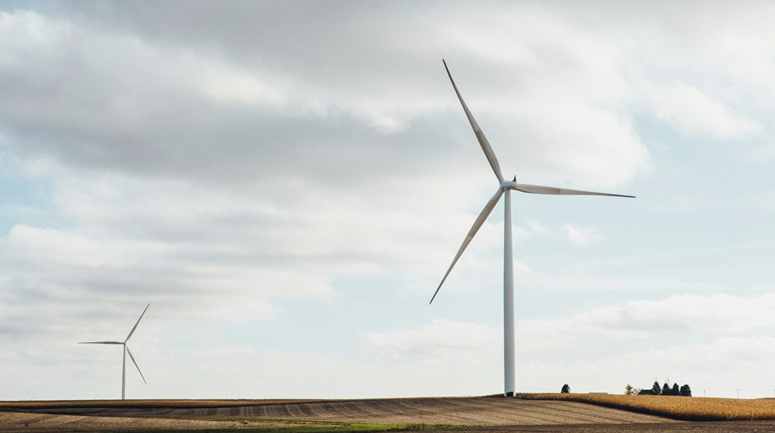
{"points": [[123, 374], [508, 301]]}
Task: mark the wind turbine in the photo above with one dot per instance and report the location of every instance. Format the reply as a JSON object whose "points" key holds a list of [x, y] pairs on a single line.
{"points": [[126, 350], [504, 188]]}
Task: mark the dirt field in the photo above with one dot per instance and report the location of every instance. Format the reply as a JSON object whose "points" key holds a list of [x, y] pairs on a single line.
{"points": [[14, 422], [480, 414]]}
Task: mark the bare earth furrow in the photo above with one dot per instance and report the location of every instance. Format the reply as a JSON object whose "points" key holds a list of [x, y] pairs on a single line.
{"points": [[491, 413]]}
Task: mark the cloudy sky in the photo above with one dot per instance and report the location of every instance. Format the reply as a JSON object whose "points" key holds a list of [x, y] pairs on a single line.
{"points": [[286, 183]]}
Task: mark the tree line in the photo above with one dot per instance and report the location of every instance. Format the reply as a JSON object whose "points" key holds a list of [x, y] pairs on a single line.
{"points": [[666, 389], [684, 391]]}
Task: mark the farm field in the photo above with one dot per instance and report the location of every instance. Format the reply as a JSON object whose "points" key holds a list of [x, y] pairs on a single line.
{"points": [[529, 413], [140, 415], [472, 411], [683, 408]]}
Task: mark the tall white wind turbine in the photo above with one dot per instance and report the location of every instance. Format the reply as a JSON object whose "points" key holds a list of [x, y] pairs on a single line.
{"points": [[126, 350], [504, 188]]}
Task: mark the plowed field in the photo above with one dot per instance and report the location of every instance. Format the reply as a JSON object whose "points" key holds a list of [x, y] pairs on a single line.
{"points": [[474, 411], [14, 422]]}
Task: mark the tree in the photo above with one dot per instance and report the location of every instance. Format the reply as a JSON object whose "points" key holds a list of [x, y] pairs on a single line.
{"points": [[686, 391], [655, 389], [565, 389], [675, 390], [666, 389], [629, 390]]}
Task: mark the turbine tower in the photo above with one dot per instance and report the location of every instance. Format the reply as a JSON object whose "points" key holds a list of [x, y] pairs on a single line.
{"points": [[504, 188], [126, 350]]}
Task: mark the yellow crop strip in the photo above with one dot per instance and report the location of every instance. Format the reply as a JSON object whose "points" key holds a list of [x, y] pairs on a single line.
{"points": [[682, 408]]}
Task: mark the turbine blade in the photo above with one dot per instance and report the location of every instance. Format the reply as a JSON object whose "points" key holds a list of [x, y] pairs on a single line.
{"points": [[478, 131], [135, 363], [550, 190], [100, 342], [471, 233], [138, 322]]}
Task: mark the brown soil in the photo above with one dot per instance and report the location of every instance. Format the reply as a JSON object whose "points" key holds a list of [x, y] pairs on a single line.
{"points": [[13, 422], [474, 411]]}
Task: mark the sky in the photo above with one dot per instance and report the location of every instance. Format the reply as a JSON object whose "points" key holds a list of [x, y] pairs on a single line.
{"points": [[287, 182]]}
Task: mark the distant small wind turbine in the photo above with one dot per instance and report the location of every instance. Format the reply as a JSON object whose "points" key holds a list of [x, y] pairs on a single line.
{"points": [[126, 350], [504, 188]]}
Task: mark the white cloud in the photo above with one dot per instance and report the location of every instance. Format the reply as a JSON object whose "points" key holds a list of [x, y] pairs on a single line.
{"points": [[566, 232], [71, 249], [695, 113], [537, 227], [719, 313], [440, 338], [26, 31], [234, 85], [553, 100], [581, 235], [632, 320]]}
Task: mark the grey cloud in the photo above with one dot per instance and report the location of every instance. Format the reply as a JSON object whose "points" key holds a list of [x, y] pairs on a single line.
{"points": [[123, 92], [187, 200], [182, 192], [129, 111]]}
